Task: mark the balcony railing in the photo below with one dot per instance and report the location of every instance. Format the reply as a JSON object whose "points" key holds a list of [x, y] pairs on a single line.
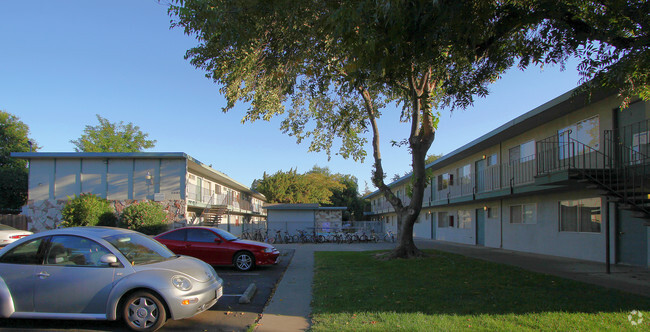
{"points": [[205, 196]]}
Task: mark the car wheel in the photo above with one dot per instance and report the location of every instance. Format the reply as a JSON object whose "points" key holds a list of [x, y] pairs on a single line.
{"points": [[244, 261], [143, 311]]}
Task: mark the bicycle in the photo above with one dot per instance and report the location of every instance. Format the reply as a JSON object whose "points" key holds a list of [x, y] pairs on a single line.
{"points": [[389, 237]]}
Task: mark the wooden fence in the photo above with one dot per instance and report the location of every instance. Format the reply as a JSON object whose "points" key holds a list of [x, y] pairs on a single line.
{"points": [[17, 221]]}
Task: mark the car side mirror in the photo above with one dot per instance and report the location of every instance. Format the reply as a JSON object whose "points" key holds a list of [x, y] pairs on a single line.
{"points": [[110, 259]]}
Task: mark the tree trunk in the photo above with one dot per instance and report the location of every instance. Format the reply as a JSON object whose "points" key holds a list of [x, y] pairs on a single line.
{"points": [[406, 246]]}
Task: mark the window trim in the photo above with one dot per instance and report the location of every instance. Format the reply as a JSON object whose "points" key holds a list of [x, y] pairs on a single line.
{"points": [[523, 213], [578, 211]]}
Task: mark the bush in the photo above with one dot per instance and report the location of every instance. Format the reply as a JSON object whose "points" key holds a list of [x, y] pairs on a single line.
{"points": [[88, 210], [147, 217]]}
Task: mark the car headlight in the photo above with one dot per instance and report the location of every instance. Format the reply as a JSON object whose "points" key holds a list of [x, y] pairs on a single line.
{"points": [[269, 250], [181, 283]]}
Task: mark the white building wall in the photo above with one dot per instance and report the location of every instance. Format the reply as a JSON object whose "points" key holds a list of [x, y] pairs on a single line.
{"points": [[422, 228], [544, 237], [290, 220]]}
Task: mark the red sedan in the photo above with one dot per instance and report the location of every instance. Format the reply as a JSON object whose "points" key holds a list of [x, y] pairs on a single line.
{"points": [[218, 247]]}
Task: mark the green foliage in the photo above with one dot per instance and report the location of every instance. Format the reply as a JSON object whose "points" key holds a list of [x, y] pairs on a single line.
{"points": [[14, 137], [147, 217], [112, 137], [293, 188], [88, 210], [318, 185]]}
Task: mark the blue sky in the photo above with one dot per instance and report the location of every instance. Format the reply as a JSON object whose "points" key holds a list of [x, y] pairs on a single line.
{"points": [[63, 62]]}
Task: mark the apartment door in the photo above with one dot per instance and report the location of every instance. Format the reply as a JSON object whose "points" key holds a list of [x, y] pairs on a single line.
{"points": [[631, 240], [480, 176], [480, 227]]}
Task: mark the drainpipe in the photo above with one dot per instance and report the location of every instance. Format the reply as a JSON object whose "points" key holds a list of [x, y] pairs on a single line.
{"points": [[607, 243], [501, 223]]}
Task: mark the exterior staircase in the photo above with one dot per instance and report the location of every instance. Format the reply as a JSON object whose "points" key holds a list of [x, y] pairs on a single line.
{"points": [[621, 170], [212, 214]]}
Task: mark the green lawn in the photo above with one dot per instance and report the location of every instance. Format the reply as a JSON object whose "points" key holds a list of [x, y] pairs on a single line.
{"points": [[353, 291]]}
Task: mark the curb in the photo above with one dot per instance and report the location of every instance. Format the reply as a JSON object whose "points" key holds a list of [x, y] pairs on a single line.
{"points": [[248, 294]]}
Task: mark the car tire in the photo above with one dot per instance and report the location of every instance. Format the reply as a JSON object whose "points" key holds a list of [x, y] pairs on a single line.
{"points": [[244, 261], [143, 311]]}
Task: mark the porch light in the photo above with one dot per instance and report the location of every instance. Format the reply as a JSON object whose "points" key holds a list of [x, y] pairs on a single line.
{"points": [[484, 157], [485, 208], [148, 176]]}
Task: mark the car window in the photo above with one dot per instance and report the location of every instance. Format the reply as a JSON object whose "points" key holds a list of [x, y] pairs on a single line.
{"points": [[26, 253], [178, 235], [200, 235], [225, 235], [75, 251], [140, 249]]}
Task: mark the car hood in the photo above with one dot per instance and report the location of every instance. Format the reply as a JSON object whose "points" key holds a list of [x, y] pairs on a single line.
{"points": [[253, 243], [190, 266]]}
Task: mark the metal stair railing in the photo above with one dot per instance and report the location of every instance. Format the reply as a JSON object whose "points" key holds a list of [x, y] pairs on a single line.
{"points": [[626, 182]]}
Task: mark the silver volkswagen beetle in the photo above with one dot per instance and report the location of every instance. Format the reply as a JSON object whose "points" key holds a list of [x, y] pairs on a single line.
{"points": [[103, 273]]}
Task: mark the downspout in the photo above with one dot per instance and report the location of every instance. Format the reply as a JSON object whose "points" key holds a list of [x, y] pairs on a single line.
{"points": [[607, 235], [501, 223]]}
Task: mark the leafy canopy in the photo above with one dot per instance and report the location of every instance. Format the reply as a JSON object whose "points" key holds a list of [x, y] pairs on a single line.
{"points": [[293, 188], [112, 137], [14, 137]]}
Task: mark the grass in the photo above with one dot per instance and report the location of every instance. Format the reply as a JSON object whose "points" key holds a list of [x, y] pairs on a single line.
{"points": [[353, 291]]}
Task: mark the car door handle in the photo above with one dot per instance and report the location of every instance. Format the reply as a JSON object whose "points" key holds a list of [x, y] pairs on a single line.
{"points": [[43, 275]]}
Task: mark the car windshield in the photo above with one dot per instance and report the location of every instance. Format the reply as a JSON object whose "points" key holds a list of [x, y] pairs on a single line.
{"points": [[140, 249], [4, 227], [225, 235]]}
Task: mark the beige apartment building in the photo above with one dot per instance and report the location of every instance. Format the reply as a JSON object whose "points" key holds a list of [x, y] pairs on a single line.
{"points": [[570, 178]]}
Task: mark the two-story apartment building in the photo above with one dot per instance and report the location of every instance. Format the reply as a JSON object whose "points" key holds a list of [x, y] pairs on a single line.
{"points": [[570, 178], [190, 191]]}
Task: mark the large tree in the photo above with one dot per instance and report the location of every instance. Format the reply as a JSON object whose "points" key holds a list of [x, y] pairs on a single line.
{"points": [[331, 66], [112, 137], [14, 137]]}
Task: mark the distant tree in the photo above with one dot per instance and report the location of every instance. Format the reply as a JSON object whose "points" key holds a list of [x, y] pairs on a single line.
{"points": [[432, 157], [293, 188], [14, 137], [112, 137], [346, 195]]}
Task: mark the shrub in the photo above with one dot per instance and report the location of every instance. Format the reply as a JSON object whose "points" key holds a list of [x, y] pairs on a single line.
{"points": [[147, 217], [87, 210]]}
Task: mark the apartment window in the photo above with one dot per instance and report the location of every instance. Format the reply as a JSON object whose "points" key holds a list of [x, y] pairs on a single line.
{"points": [[464, 175], [523, 214], [442, 220], [586, 132], [582, 215], [445, 180], [464, 219], [521, 153], [492, 159], [492, 213], [451, 221], [640, 146]]}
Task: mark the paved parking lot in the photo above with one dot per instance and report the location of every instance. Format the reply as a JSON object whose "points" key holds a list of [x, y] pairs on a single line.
{"points": [[226, 315]]}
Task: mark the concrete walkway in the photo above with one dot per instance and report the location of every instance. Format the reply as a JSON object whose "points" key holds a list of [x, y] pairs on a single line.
{"points": [[290, 306]]}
